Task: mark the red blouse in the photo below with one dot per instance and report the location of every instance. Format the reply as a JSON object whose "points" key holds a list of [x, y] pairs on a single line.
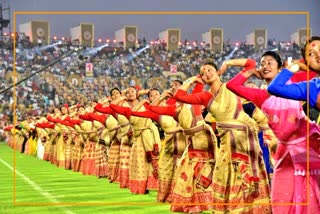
{"points": [[85, 117], [48, 125], [126, 111], [147, 114], [98, 117], [104, 109]]}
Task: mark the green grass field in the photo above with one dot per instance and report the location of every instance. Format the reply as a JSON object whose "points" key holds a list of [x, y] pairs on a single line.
{"points": [[40, 187]]}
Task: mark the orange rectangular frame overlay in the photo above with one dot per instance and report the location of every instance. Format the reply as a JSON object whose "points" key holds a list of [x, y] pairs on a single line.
{"points": [[147, 13]]}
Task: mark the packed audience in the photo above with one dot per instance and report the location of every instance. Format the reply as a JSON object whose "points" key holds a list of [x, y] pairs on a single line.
{"points": [[66, 81]]}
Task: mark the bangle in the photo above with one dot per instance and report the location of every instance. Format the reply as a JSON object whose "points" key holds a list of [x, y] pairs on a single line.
{"points": [[188, 81], [161, 97], [293, 68], [228, 64]]}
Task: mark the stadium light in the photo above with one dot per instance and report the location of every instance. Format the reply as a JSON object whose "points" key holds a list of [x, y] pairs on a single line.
{"points": [[94, 51], [137, 53], [232, 52], [50, 46]]}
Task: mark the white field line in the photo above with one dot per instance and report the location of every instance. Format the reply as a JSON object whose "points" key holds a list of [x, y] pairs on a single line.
{"points": [[37, 188]]}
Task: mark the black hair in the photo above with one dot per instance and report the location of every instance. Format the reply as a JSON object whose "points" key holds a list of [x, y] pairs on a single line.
{"points": [[303, 50], [210, 62], [274, 55], [82, 106], [133, 88], [62, 107], [177, 80], [114, 89]]}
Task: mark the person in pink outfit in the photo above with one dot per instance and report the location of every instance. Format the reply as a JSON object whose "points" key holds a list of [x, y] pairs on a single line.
{"points": [[294, 174]]}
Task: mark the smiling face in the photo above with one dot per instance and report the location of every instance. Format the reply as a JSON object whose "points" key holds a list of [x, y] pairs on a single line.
{"points": [[269, 68], [208, 74], [312, 55], [131, 94]]}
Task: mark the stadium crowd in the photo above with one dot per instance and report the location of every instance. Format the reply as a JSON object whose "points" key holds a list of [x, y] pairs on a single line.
{"points": [[66, 82]]}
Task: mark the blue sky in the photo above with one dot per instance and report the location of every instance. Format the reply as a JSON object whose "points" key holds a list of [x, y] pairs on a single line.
{"points": [[236, 27]]}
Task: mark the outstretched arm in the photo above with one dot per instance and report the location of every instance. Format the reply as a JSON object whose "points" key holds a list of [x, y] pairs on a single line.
{"points": [[164, 96], [296, 91], [278, 87], [103, 109], [236, 85], [246, 63], [197, 97], [147, 114], [126, 111], [164, 110]]}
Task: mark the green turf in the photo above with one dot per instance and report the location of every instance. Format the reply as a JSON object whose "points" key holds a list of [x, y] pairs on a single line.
{"points": [[40, 186]]}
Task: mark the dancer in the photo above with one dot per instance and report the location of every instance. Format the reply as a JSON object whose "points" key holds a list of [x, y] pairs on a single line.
{"points": [[193, 187], [119, 166], [143, 156], [289, 124]]}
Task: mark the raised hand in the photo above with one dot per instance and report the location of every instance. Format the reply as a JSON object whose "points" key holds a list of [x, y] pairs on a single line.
{"points": [[297, 65], [167, 93], [256, 72], [224, 67], [194, 79]]}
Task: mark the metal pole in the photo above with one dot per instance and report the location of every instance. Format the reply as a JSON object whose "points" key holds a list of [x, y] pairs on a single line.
{"points": [[42, 69]]}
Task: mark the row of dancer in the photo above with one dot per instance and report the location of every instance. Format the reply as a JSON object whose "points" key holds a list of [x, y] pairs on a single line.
{"points": [[216, 167], [190, 155]]}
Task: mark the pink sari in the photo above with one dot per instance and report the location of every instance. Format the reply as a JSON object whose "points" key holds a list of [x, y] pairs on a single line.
{"points": [[291, 179]]}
